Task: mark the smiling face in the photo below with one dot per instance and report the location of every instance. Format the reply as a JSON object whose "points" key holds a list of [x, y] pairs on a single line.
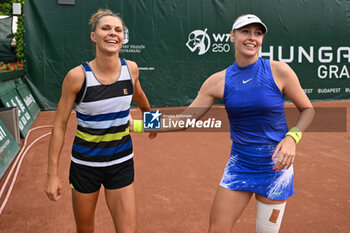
{"points": [[247, 40], [109, 34]]}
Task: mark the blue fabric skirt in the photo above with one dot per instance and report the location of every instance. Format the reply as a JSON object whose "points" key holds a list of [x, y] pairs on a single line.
{"points": [[250, 168]]}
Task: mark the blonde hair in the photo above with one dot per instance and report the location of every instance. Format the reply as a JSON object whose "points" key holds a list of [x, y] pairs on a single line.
{"points": [[95, 18]]}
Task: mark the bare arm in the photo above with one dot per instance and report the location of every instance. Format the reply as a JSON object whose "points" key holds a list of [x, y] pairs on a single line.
{"points": [[211, 89], [291, 88], [293, 91], [71, 86], [139, 96], [289, 82]]}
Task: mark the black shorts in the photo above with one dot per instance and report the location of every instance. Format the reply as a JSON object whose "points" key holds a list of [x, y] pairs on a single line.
{"points": [[87, 179]]}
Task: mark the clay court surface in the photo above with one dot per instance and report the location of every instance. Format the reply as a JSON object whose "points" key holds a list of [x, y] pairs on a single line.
{"points": [[176, 178]]}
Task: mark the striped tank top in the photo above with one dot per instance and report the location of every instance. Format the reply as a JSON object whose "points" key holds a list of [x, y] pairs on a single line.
{"points": [[102, 138]]}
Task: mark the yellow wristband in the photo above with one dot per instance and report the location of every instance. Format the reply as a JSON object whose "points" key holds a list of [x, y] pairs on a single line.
{"points": [[295, 134], [138, 126]]}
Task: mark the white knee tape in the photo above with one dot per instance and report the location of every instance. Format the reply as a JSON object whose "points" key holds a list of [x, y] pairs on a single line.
{"points": [[269, 217]]}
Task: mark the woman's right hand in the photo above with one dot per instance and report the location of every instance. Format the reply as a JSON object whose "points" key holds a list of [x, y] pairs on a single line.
{"points": [[53, 187]]}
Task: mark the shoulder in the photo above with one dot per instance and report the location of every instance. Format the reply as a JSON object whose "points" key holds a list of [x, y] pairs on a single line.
{"points": [[133, 67], [215, 84], [280, 68], [284, 75], [217, 77], [76, 73], [74, 79]]}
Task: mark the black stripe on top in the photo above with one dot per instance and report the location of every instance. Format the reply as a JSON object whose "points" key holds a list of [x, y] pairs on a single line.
{"points": [[101, 92], [81, 92], [104, 158], [110, 130], [101, 145]]}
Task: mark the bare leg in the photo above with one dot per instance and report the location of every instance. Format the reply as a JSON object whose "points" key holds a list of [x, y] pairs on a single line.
{"points": [[84, 206], [226, 208], [122, 205]]}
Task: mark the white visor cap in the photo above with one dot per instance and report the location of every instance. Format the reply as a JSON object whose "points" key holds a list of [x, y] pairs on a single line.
{"points": [[248, 19]]}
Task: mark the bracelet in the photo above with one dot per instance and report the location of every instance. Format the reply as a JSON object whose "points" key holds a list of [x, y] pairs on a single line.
{"points": [[138, 126], [295, 134]]}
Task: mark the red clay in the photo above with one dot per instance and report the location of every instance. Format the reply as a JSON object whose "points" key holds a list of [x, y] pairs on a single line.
{"points": [[176, 178]]}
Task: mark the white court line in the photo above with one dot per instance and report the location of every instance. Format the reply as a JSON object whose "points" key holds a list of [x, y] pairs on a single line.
{"points": [[19, 159]]}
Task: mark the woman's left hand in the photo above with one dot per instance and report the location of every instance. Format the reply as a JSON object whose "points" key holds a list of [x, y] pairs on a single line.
{"points": [[285, 151]]}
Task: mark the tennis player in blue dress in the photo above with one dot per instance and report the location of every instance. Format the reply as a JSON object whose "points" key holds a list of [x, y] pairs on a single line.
{"points": [[263, 148]]}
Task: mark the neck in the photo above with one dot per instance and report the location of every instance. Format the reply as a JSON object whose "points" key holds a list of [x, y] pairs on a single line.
{"points": [[106, 63], [242, 60]]}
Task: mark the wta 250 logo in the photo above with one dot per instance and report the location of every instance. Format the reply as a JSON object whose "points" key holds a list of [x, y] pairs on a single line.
{"points": [[199, 42]]}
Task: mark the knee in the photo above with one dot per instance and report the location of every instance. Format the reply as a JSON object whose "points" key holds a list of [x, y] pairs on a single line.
{"points": [[269, 217], [220, 227]]}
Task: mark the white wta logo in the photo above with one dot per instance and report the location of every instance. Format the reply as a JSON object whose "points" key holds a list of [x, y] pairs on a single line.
{"points": [[200, 40]]}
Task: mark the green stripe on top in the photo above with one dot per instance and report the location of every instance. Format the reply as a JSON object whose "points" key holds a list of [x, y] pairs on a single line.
{"points": [[102, 138]]}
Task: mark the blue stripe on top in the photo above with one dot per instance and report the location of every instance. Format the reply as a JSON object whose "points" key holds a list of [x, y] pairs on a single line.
{"points": [[87, 67], [103, 117], [100, 152]]}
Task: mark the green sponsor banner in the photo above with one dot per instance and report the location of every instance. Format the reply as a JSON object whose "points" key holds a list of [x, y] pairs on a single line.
{"points": [[179, 44], [6, 75], [13, 99], [8, 148], [27, 98], [7, 86]]}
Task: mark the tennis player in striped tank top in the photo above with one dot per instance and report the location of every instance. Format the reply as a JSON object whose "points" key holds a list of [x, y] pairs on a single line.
{"points": [[102, 152]]}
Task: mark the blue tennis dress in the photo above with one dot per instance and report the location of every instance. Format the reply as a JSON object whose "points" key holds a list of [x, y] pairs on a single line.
{"points": [[255, 110]]}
